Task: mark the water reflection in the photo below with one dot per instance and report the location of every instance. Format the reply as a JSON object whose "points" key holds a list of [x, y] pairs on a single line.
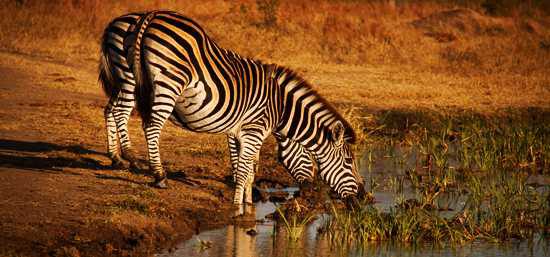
{"points": [[271, 240], [238, 242]]}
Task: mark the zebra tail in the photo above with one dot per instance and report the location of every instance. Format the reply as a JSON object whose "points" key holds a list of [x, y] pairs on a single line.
{"points": [[144, 88], [106, 69]]}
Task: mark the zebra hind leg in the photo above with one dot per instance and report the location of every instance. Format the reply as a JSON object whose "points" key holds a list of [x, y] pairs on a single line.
{"points": [[152, 134], [166, 91], [112, 140], [122, 114]]}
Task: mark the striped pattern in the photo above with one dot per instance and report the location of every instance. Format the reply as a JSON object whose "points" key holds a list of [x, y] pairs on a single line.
{"points": [[118, 83], [187, 78], [297, 160]]}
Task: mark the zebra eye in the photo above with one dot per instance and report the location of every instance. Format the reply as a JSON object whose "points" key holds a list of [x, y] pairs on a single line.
{"points": [[348, 160]]}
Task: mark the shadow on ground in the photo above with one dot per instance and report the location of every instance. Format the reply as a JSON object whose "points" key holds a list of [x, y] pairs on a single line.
{"points": [[45, 156], [54, 158]]}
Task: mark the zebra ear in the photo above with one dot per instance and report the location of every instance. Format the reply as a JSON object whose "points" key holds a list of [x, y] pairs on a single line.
{"points": [[337, 130]]}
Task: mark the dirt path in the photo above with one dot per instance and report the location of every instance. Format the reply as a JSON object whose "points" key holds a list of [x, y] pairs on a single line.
{"points": [[58, 196]]}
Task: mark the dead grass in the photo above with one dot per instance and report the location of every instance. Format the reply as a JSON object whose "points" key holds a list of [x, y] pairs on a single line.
{"points": [[418, 54]]}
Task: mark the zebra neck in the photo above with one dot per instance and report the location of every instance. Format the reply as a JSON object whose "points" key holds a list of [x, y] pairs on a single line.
{"points": [[243, 68], [305, 116]]}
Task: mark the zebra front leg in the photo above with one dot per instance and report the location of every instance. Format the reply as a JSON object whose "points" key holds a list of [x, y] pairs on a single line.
{"points": [[112, 140], [233, 144], [250, 181], [248, 203], [242, 179], [250, 142], [234, 158]]}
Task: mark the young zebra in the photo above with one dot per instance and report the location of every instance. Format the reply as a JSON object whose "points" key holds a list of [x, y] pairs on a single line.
{"points": [[118, 83], [183, 75]]}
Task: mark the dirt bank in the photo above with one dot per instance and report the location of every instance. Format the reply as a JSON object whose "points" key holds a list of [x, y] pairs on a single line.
{"points": [[58, 196]]}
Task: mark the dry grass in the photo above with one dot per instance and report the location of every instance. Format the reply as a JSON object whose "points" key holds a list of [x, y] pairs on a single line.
{"points": [[418, 54]]}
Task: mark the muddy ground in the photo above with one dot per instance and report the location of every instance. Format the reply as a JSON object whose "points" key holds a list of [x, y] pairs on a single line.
{"points": [[60, 197]]}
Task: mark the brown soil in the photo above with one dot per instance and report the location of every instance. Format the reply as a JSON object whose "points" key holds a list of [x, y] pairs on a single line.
{"points": [[58, 195]]}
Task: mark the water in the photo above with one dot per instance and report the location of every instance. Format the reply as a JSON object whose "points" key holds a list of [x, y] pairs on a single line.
{"points": [[272, 241], [233, 241]]}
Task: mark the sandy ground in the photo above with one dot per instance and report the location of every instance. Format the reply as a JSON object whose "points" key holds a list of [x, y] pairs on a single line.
{"points": [[58, 195]]}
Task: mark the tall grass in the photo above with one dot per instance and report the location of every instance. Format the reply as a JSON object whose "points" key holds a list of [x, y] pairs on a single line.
{"points": [[289, 32], [294, 224], [496, 209], [513, 140], [491, 164]]}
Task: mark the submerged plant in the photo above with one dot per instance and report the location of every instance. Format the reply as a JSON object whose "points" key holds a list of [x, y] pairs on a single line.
{"points": [[293, 223]]}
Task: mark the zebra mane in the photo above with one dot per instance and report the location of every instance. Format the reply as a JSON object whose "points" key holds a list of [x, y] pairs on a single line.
{"points": [[290, 75]]}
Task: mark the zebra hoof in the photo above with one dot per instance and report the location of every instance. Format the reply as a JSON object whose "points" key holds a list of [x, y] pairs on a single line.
{"points": [[117, 164], [238, 211], [161, 183], [129, 156], [134, 168]]}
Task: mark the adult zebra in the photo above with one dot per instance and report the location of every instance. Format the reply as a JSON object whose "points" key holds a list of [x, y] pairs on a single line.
{"points": [[118, 83], [183, 75]]}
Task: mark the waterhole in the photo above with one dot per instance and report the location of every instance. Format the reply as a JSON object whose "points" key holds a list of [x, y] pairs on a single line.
{"points": [[384, 178]]}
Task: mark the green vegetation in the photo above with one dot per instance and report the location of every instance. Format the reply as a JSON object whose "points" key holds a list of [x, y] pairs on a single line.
{"points": [[492, 170], [469, 142], [498, 209], [294, 220]]}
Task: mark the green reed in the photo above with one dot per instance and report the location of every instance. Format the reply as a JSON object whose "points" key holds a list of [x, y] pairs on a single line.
{"points": [[496, 209], [484, 161], [294, 221]]}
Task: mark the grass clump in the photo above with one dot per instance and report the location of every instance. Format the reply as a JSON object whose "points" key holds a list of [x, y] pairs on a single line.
{"points": [[512, 141], [132, 203], [294, 219], [505, 208], [495, 210]]}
